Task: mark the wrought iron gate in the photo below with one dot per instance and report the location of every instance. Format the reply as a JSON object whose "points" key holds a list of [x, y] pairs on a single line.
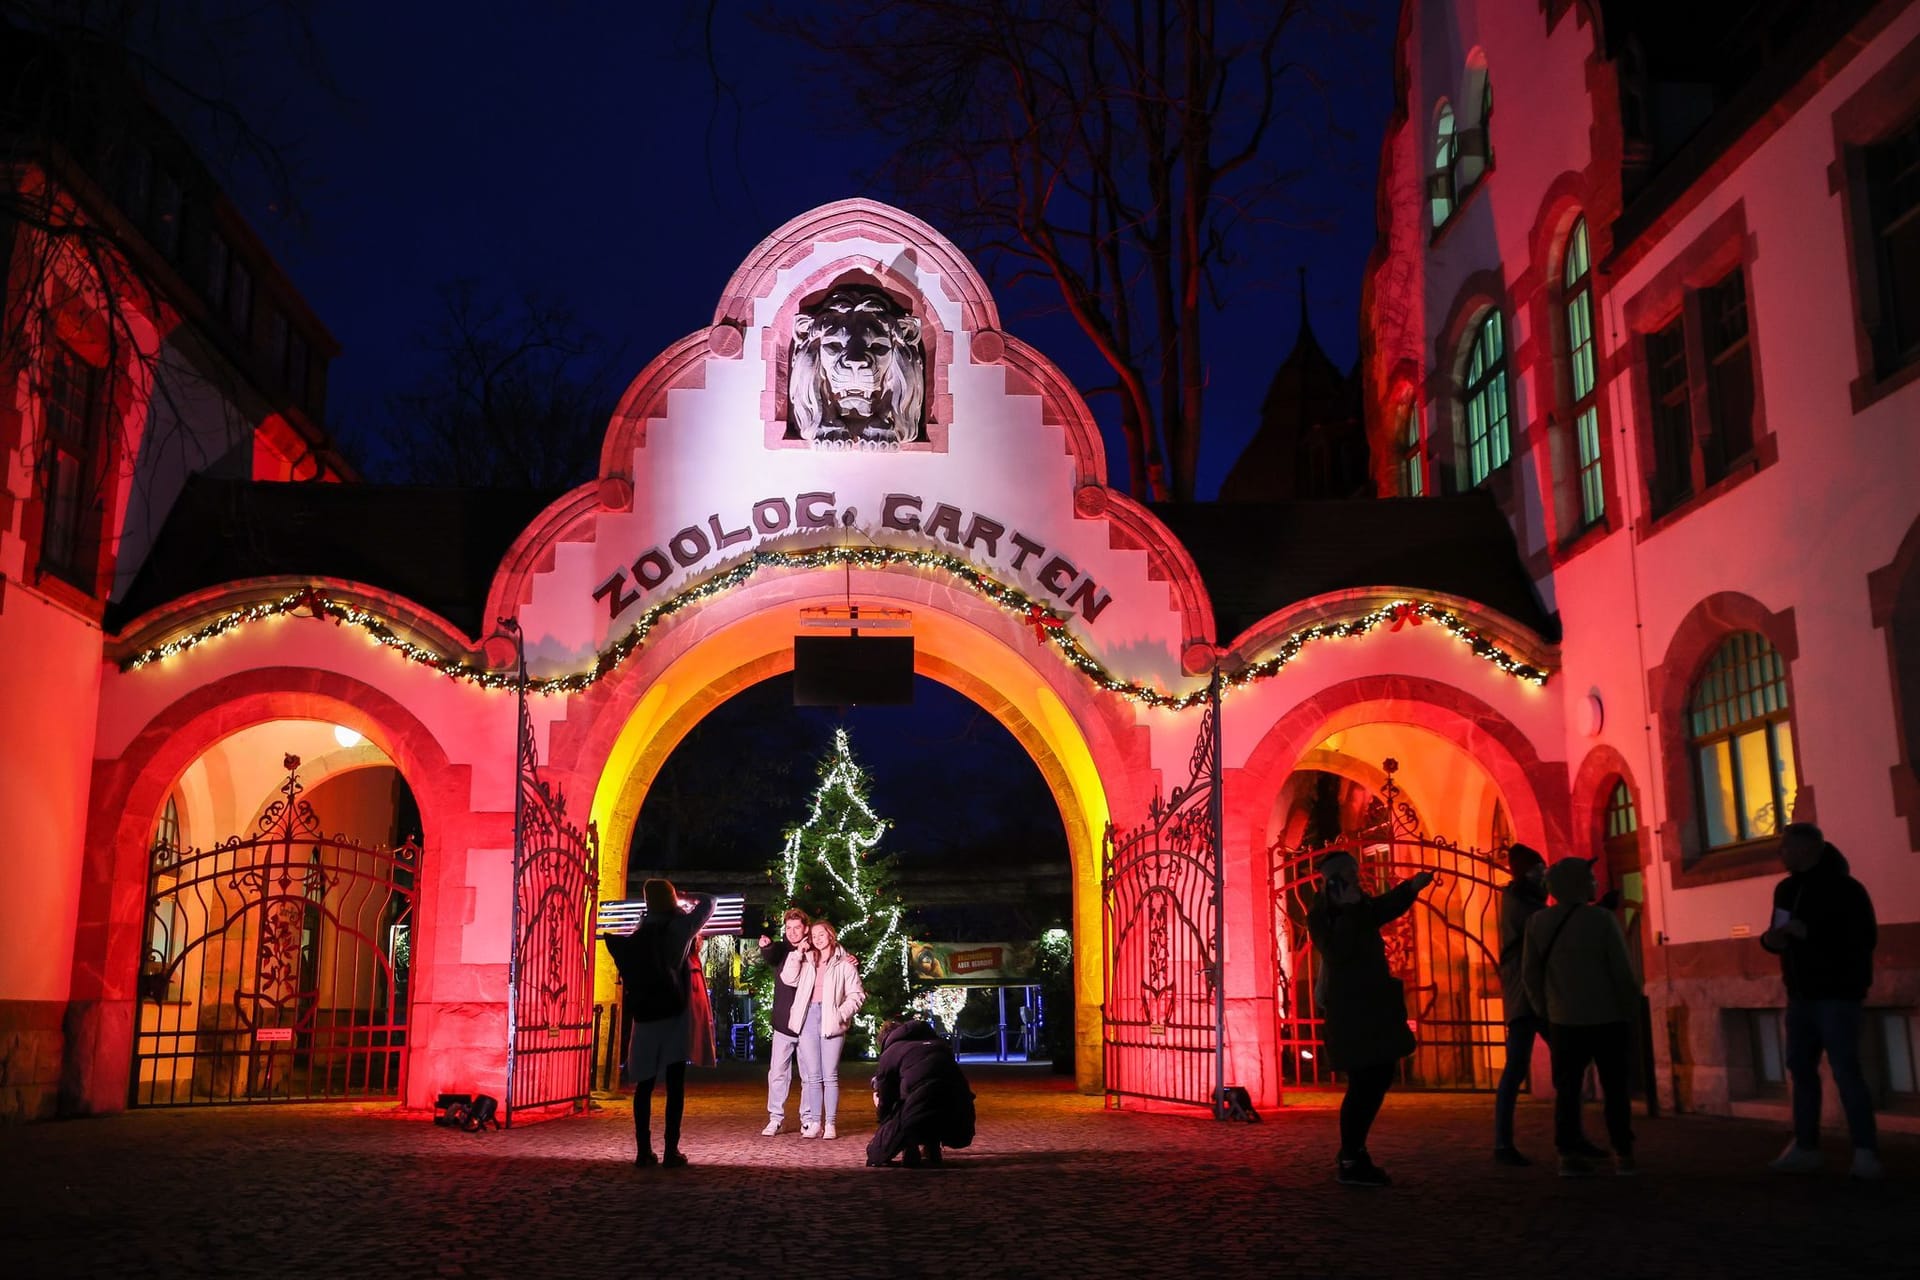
{"points": [[1446, 950], [277, 965], [556, 884], [1164, 1014]]}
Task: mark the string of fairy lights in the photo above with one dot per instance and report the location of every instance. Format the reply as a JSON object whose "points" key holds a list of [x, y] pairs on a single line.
{"points": [[1049, 626]]}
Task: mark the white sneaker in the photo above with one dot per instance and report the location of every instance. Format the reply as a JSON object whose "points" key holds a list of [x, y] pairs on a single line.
{"points": [[808, 1129], [773, 1127], [830, 1133], [1866, 1165], [1797, 1159]]}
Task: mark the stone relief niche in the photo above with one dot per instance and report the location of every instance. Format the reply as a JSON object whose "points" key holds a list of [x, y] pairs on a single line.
{"points": [[857, 372]]}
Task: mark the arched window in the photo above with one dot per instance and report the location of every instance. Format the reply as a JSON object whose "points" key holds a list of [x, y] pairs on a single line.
{"points": [[1620, 818], [1473, 144], [1446, 149], [1741, 732], [1584, 409], [1488, 444], [1412, 465]]}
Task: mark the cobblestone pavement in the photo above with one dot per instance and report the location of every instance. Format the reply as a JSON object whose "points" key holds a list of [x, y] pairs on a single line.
{"points": [[1054, 1185]]}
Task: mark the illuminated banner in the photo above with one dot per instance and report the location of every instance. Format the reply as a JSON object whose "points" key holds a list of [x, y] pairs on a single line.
{"points": [[985, 963], [622, 917]]}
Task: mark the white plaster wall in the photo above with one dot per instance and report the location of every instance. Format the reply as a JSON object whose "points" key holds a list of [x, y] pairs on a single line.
{"points": [[49, 684], [1804, 533], [708, 455]]}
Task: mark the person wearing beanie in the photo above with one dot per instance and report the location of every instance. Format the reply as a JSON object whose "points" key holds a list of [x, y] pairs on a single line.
{"points": [[1524, 896], [1824, 933], [1575, 969], [1363, 1007]]}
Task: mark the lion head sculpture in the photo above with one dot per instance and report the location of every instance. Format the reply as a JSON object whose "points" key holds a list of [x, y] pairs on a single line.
{"points": [[858, 374]]}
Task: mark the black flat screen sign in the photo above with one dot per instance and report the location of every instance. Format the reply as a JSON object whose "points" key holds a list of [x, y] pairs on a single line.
{"points": [[852, 671]]}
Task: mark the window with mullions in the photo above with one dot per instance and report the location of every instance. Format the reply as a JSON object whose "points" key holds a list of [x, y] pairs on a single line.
{"points": [[1413, 456], [1893, 212], [1741, 732], [1724, 324], [1672, 417], [1577, 281], [1488, 444], [70, 534], [1620, 819], [1446, 149]]}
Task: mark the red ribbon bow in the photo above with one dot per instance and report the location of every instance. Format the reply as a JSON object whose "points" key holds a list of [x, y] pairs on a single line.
{"points": [[1402, 614], [1042, 622]]}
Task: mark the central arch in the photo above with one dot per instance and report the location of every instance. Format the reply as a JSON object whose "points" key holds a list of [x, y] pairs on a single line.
{"points": [[1074, 733]]}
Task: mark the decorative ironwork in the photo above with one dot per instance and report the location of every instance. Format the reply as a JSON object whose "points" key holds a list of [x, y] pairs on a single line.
{"points": [[277, 967], [1164, 1016], [551, 1018], [1445, 950]]}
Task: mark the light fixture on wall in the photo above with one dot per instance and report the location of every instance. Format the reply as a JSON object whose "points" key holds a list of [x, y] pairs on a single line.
{"points": [[346, 737]]}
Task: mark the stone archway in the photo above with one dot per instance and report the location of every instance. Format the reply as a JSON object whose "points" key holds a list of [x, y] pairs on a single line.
{"points": [[1082, 743]]}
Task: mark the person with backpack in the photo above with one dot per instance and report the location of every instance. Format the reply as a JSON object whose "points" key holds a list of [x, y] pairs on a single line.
{"points": [[1524, 896], [1824, 932], [657, 979], [1363, 1007], [1576, 971]]}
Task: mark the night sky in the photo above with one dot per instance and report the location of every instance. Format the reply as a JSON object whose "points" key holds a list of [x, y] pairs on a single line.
{"points": [[583, 151]]}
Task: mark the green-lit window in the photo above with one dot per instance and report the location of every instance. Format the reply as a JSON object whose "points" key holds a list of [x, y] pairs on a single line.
{"points": [[1577, 280], [1488, 443], [1413, 454], [1446, 149], [1742, 739], [1621, 820]]}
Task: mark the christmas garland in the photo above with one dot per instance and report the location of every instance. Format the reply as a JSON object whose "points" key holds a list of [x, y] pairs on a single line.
{"points": [[1048, 626]]}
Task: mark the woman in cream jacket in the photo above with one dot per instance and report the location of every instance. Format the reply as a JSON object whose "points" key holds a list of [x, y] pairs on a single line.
{"points": [[827, 993]]}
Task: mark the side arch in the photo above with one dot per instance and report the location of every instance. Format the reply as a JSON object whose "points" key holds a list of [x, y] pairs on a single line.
{"points": [[128, 791]]}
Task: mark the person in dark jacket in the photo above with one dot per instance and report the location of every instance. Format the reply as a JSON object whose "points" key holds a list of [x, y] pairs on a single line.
{"points": [[1824, 933], [656, 979], [1363, 1007], [921, 1096], [1524, 895], [773, 954]]}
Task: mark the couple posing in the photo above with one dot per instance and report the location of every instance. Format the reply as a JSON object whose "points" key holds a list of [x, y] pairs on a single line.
{"points": [[816, 992]]}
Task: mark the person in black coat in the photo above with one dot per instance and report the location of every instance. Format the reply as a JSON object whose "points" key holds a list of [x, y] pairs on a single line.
{"points": [[1363, 1007], [921, 1095], [656, 979], [1824, 932]]}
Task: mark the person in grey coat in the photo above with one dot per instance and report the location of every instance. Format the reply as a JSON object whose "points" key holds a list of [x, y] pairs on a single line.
{"points": [[1524, 895], [1576, 970], [1363, 1007]]}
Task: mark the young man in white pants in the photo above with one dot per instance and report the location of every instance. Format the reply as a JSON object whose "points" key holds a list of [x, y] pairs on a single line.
{"points": [[793, 931]]}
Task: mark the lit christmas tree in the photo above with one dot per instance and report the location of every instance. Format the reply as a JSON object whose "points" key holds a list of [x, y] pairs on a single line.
{"points": [[829, 870]]}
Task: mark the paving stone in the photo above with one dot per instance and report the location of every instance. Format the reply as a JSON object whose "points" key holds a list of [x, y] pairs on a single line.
{"points": [[1056, 1184]]}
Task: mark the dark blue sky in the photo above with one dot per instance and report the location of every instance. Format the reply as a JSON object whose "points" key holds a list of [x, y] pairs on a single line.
{"points": [[577, 150]]}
